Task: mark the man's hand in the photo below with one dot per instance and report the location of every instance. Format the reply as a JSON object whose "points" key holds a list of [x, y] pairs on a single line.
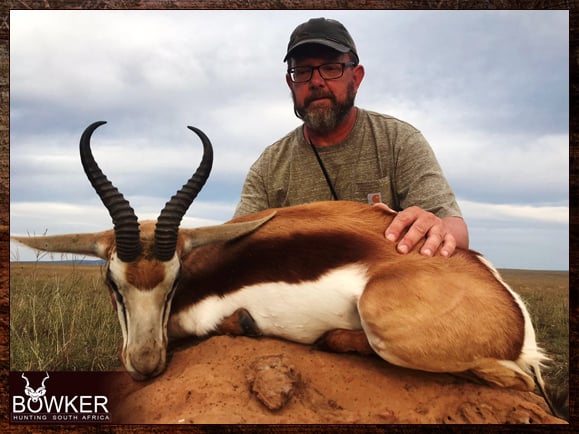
{"points": [[414, 224]]}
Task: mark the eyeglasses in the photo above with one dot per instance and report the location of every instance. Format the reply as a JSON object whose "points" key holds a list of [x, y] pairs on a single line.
{"points": [[328, 71]]}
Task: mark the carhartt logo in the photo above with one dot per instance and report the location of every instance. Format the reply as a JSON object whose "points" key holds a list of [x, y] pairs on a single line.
{"points": [[374, 198]]}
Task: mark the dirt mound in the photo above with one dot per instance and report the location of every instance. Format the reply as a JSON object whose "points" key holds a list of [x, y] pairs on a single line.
{"points": [[242, 380]]}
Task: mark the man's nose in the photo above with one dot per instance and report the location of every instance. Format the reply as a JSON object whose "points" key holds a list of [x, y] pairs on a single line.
{"points": [[317, 79]]}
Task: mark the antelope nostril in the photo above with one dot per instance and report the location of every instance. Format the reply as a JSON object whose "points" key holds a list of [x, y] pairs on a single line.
{"points": [[146, 363]]}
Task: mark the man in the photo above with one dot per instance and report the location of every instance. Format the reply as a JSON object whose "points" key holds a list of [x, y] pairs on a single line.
{"points": [[347, 153]]}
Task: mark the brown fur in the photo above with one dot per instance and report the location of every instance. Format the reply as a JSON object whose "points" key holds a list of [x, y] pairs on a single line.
{"points": [[303, 242], [344, 341], [495, 373], [296, 245], [443, 289], [145, 274]]}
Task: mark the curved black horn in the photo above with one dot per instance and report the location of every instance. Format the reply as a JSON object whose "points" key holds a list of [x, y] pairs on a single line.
{"points": [[124, 218], [167, 228]]}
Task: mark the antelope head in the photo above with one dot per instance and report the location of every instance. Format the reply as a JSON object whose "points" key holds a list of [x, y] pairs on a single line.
{"points": [[35, 394], [143, 259]]}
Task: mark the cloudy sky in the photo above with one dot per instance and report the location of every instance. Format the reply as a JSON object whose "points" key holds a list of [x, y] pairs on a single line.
{"points": [[488, 89]]}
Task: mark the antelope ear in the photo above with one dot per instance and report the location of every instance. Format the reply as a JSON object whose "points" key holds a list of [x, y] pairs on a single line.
{"points": [[197, 237], [97, 244]]}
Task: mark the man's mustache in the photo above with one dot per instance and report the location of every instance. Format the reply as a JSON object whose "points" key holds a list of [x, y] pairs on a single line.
{"points": [[318, 95]]}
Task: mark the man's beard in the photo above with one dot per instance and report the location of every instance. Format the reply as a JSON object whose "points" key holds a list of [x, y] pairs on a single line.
{"points": [[325, 119]]}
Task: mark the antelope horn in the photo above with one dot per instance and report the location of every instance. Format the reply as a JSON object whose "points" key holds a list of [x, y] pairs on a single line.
{"points": [[124, 219], [27, 382], [167, 228], [45, 378]]}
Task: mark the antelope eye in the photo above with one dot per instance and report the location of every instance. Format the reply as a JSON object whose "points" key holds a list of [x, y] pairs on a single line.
{"points": [[177, 278], [175, 284], [111, 284]]}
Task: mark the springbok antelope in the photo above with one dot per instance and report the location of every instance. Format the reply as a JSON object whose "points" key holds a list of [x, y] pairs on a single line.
{"points": [[321, 273]]}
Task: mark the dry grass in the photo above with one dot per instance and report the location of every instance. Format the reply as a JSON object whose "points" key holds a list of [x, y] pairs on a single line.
{"points": [[61, 318]]}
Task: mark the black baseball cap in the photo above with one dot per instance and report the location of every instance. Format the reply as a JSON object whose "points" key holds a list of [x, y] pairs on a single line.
{"points": [[323, 31]]}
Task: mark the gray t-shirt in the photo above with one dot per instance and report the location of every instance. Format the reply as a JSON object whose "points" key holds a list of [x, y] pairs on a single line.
{"points": [[382, 157]]}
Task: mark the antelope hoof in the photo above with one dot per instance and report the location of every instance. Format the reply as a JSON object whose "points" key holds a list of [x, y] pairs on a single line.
{"points": [[240, 323], [247, 324]]}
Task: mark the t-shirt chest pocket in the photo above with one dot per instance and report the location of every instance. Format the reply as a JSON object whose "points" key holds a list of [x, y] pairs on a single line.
{"points": [[379, 190]]}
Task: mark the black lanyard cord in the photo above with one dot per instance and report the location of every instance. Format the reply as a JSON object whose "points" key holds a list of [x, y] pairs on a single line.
{"points": [[324, 171]]}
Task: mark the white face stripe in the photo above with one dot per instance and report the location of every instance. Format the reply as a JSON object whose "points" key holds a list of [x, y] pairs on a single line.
{"points": [[300, 312], [143, 315]]}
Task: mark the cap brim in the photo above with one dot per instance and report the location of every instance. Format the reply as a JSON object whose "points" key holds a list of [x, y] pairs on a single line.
{"points": [[335, 45]]}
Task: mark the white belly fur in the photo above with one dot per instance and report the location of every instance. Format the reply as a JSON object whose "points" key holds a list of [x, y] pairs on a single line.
{"points": [[300, 312]]}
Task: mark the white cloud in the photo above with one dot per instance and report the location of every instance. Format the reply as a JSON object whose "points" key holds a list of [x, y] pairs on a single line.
{"points": [[514, 213], [489, 90]]}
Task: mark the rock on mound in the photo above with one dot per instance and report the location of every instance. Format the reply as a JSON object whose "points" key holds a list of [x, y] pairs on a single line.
{"points": [[242, 380]]}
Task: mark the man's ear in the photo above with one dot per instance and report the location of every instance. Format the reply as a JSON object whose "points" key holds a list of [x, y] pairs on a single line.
{"points": [[359, 73]]}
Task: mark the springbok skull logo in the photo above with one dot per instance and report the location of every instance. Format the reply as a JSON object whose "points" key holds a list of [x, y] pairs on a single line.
{"points": [[33, 394]]}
